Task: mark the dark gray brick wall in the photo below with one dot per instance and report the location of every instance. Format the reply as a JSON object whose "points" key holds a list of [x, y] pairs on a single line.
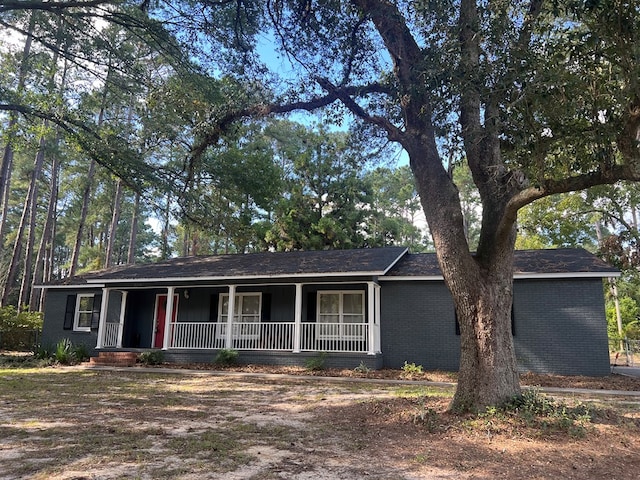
{"points": [[560, 327], [417, 325], [52, 331]]}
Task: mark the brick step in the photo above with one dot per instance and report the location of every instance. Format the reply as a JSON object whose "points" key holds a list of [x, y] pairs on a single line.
{"points": [[114, 359]]}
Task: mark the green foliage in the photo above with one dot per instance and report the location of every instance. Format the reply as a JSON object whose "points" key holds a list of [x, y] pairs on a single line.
{"points": [[411, 369], [629, 312], [428, 418], [19, 330], [153, 357], [362, 368], [558, 221], [316, 363], [12, 319], [226, 357], [67, 353], [544, 413]]}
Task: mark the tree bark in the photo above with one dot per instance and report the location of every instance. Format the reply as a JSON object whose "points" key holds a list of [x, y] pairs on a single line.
{"points": [[481, 283], [88, 186], [47, 238], [113, 227], [28, 217], [131, 254], [7, 157]]}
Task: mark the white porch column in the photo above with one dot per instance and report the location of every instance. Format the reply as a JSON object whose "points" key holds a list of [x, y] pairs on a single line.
{"points": [[377, 346], [168, 317], [297, 327], [228, 343], [103, 317], [123, 308], [371, 314]]}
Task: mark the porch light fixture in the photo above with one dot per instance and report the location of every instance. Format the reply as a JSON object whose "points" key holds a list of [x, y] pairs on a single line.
{"points": [[186, 293]]}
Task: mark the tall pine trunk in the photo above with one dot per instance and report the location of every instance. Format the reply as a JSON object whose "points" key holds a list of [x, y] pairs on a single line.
{"points": [[27, 220], [42, 266], [86, 194], [133, 233], [113, 227], [7, 157]]}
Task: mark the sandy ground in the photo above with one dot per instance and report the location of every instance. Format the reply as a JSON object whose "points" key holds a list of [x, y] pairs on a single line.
{"points": [[82, 424]]}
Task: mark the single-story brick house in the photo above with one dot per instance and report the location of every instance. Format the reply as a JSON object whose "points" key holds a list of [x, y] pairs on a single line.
{"points": [[380, 306]]}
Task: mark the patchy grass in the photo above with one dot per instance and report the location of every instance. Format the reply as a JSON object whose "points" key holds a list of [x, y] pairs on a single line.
{"points": [[73, 423]]}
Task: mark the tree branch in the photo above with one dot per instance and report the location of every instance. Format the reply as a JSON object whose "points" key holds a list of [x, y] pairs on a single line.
{"points": [[50, 6], [220, 126], [613, 174], [394, 133]]}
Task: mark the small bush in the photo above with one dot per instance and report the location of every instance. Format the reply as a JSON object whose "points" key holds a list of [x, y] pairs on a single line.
{"points": [[544, 413], [410, 369], [428, 418], [67, 353], [226, 357], [44, 352], [155, 357], [63, 353], [315, 364], [362, 368], [19, 329]]}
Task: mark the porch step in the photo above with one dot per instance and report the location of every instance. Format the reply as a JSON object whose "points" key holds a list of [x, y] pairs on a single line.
{"points": [[114, 359]]}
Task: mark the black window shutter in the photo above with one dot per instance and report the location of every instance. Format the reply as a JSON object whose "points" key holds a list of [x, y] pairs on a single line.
{"points": [[266, 307], [213, 307], [312, 301], [455, 314], [95, 311], [69, 312], [513, 323]]}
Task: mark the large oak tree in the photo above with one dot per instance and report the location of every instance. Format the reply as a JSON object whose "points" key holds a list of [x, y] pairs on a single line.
{"points": [[539, 97]]}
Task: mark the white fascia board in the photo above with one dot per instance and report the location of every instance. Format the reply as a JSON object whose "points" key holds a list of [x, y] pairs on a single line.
{"points": [[404, 252], [517, 276], [92, 286], [431, 278], [521, 276], [235, 278]]}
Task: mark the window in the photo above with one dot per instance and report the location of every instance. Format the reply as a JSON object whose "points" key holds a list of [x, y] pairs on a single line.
{"points": [[343, 314], [247, 310], [83, 313]]}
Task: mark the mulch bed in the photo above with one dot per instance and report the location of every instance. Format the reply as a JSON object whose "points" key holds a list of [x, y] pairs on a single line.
{"points": [[611, 382]]}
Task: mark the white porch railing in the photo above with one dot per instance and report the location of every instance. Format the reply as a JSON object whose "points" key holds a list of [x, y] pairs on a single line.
{"points": [[110, 335], [275, 336]]}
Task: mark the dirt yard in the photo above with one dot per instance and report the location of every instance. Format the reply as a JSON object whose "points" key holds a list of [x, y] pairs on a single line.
{"points": [[140, 424]]}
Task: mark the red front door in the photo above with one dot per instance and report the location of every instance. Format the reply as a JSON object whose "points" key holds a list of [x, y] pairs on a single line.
{"points": [[161, 315]]}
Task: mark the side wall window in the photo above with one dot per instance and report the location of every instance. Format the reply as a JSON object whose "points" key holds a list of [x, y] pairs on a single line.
{"points": [[83, 312]]}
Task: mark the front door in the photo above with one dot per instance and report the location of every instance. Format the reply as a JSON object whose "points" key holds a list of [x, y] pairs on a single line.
{"points": [[161, 315]]}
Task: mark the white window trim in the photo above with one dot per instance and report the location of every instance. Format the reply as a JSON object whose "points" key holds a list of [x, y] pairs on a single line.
{"points": [[240, 332], [76, 314], [321, 335]]}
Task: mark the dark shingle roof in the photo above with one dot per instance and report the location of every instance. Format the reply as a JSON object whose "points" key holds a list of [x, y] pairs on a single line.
{"points": [[569, 261], [390, 262], [371, 261]]}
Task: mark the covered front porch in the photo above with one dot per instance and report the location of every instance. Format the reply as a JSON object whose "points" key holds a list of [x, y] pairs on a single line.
{"points": [[265, 318]]}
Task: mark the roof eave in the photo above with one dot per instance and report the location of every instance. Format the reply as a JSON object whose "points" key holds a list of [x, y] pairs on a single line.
{"points": [[234, 277]]}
